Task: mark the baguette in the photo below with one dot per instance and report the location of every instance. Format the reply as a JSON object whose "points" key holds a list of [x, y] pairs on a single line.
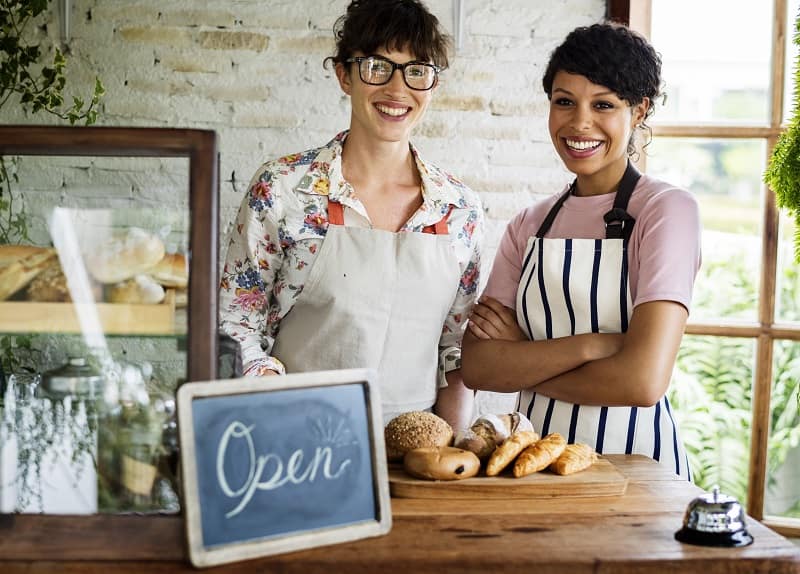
{"points": [[15, 253], [17, 275], [508, 450], [539, 455], [576, 457]]}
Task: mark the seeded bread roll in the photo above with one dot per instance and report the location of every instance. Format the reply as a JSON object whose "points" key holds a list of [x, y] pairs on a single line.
{"points": [[415, 429], [441, 463]]}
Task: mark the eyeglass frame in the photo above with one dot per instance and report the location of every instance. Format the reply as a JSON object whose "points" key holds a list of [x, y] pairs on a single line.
{"points": [[396, 66]]}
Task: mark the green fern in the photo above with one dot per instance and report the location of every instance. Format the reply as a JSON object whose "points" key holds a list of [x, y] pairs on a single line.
{"points": [[783, 171]]}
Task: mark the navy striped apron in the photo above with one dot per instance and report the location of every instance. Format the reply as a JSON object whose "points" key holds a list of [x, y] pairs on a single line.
{"points": [[574, 286]]}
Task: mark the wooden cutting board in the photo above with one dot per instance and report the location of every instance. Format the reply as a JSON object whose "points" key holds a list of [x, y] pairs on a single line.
{"points": [[601, 479]]}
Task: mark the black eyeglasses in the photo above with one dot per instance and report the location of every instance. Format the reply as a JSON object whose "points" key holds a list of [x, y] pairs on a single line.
{"points": [[378, 71]]}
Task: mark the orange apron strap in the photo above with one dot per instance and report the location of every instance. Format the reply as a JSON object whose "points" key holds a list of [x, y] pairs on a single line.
{"points": [[335, 212], [440, 227]]}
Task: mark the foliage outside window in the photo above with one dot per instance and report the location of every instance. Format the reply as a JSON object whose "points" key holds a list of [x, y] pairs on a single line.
{"points": [[736, 389]]}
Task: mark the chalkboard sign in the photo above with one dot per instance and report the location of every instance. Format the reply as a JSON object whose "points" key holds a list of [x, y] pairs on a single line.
{"points": [[277, 464]]}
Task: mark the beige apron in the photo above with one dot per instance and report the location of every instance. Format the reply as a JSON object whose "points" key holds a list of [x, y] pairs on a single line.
{"points": [[375, 299]]}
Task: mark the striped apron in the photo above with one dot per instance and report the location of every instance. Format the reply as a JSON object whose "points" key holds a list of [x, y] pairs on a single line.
{"points": [[574, 286]]}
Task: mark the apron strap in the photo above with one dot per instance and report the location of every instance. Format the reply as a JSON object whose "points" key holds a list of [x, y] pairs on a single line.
{"points": [[335, 213], [619, 223], [336, 217], [551, 215], [440, 227]]}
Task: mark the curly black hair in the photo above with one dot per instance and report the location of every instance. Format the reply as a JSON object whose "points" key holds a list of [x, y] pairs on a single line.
{"points": [[611, 55], [369, 25]]}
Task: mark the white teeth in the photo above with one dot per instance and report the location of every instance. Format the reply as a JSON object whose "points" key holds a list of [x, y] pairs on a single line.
{"points": [[582, 145], [391, 111]]}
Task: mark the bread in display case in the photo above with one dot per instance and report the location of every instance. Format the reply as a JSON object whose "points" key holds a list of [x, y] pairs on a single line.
{"points": [[117, 272]]}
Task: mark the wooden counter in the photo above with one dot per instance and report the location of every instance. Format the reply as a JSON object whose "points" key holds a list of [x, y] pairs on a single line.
{"points": [[625, 534]]}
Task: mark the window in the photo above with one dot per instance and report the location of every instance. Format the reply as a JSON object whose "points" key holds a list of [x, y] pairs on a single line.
{"points": [[728, 78]]}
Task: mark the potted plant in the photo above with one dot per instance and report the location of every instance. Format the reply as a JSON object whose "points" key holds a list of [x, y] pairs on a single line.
{"points": [[783, 172]]}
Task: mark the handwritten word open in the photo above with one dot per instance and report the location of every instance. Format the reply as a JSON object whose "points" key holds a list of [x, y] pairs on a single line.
{"points": [[292, 471]]}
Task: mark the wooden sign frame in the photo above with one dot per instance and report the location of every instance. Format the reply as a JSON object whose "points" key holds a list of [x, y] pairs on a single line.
{"points": [[304, 384]]}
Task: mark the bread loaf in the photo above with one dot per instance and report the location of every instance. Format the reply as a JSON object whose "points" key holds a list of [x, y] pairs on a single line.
{"points": [[490, 430], [50, 285], [415, 429], [17, 275], [171, 271], [14, 253], [139, 290], [539, 455], [441, 463], [124, 256]]}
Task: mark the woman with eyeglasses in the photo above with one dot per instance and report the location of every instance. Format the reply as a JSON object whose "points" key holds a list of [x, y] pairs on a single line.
{"points": [[586, 304], [360, 253]]}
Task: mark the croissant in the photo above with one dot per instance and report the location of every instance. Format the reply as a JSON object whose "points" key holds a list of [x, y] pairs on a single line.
{"points": [[539, 455], [576, 457], [508, 451]]}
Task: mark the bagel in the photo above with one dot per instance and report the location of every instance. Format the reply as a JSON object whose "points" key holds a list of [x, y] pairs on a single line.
{"points": [[441, 463], [415, 429]]}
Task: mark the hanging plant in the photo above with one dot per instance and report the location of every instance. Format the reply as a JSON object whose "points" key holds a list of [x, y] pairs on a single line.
{"points": [[36, 87], [783, 171]]}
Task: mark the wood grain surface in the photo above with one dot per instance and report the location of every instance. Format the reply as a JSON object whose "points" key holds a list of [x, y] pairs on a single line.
{"points": [[627, 534], [601, 479]]}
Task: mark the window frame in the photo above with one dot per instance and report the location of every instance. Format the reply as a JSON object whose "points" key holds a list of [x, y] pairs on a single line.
{"points": [[766, 331]]}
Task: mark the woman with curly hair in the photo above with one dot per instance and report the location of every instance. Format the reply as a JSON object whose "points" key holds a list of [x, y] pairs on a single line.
{"points": [[589, 294], [360, 253]]}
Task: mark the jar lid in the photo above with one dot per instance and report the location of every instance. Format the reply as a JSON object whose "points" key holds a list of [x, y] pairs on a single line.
{"points": [[77, 377], [714, 519]]}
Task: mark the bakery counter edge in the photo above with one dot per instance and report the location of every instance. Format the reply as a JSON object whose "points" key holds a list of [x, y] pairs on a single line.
{"points": [[631, 533]]}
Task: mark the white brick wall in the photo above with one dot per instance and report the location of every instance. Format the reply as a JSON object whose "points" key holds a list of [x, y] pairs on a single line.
{"points": [[252, 71]]}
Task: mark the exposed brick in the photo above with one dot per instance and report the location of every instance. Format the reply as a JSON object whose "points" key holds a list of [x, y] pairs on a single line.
{"points": [[233, 40]]}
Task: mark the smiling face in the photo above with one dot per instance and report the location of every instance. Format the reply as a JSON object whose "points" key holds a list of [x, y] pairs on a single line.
{"points": [[590, 127], [384, 113]]}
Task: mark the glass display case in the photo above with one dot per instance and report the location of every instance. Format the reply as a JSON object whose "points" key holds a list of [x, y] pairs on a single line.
{"points": [[108, 302]]}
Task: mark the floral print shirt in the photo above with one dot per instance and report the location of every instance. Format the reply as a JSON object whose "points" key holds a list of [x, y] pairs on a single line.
{"points": [[280, 227]]}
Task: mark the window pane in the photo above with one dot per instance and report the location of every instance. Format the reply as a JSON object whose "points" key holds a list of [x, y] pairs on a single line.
{"points": [[787, 285], [725, 176], [714, 72], [782, 497], [791, 58], [711, 395]]}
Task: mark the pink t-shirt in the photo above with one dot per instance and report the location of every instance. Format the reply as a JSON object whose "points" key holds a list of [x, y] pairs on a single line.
{"points": [[663, 252]]}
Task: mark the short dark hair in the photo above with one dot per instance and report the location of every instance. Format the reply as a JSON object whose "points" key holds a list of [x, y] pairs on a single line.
{"points": [[611, 55], [370, 25]]}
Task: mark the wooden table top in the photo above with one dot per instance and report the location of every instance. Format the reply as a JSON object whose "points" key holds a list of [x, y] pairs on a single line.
{"points": [[628, 534]]}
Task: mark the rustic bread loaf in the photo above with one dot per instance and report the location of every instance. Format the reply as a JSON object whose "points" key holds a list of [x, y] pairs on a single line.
{"points": [[18, 274], [415, 429], [490, 430], [441, 463], [134, 252]]}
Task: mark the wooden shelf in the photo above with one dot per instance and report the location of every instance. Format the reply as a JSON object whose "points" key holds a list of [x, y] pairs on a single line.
{"points": [[109, 318]]}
